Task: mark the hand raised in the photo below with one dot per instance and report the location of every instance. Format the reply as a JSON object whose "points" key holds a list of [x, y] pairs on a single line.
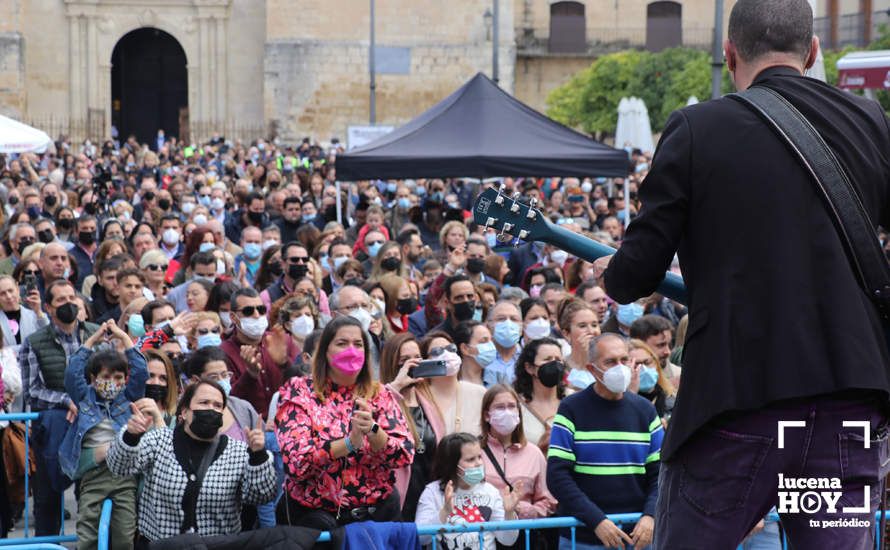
{"points": [[256, 438], [138, 423]]}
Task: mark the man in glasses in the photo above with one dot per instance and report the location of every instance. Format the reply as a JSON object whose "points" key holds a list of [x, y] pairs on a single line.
{"points": [[258, 358], [295, 266], [21, 235]]}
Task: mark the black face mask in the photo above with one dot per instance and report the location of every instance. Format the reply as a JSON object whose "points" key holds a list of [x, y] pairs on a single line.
{"points": [[297, 271], [276, 269], [45, 236], [67, 313], [50, 200], [549, 374], [156, 392], [90, 208], [13, 201], [255, 217], [390, 264], [164, 204], [206, 423], [407, 306], [86, 238], [149, 196], [65, 224], [355, 281], [464, 311], [23, 244], [475, 265]]}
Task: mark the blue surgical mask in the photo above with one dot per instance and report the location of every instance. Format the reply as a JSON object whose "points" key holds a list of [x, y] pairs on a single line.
{"points": [[391, 187], [579, 378], [620, 215], [404, 203], [225, 384], [307, 217], [486, 353], [506, 333], [420, 190], [253, 250], [206, 247], [338, 261], [628, 313], [648, 379], [136, 325], [477, 314], [209, 339], [473, 476], [491, 239], [374, 249]]}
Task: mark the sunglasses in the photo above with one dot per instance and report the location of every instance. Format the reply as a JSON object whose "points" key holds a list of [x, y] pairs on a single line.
{"points": [[372, 243], [435, 352], [248, 311], [30, 272], [298, 260], [205, 331], [156, 267]]}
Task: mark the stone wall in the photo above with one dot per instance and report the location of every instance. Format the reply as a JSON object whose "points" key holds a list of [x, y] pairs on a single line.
{"points": [[536, 77]]}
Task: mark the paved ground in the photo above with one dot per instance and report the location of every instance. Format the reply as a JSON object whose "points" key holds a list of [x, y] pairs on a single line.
{"points": [[70, 506]]}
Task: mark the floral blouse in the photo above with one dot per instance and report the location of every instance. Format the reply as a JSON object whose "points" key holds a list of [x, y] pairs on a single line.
{"points": [[306, 426]]}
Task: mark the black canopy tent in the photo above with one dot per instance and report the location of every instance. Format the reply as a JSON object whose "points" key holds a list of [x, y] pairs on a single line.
{"points": [[481, 131]]}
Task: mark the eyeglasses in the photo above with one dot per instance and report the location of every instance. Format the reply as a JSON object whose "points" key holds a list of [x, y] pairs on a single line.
{"points": [[372, 243], [205, 331], [30, 272], [156, 267], [248, 311], [435, 352], [298, 260]]}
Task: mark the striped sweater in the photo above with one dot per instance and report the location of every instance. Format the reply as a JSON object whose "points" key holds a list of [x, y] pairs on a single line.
{"points": [[604, 457]]}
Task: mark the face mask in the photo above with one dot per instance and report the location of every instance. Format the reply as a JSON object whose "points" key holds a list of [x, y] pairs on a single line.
{"points": [[164, 204], [136, 326], [391, 187], [225, 384], [452, 363], [204, 200], [65, 224], [464, 311], [86, 238], [269, 244], [67, 313], [586, 187], [226, 318], [580, 378], [170, 236], [308, 217], [535, 291], [486, 353], [206, 423], [206, 247], [420, 190], [503, 422], [50, 200], [45, 236], [628, 313], [391, 264], [475, 265], [380, 304], [477, 314], [297, 271], [200, 220], [617, 378], [404, 203], [361, 315], [348, 361], [156, 392], [537, 329], [302, 326], [559, 257], [207, 278], [23, 244], [406, 306], [338, 261], [253, 250], [255, 217], [253, 327], [217, 204], [209, 339], [506, 333], [220, 267], [187, 207], [491, 239], [108, 389], [648, 379], [549, 374], [472, 476], [149, 196], [374, 249]]}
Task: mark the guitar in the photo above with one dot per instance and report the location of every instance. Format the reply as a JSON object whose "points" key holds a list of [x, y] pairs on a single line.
{"points": [[514, 219]]}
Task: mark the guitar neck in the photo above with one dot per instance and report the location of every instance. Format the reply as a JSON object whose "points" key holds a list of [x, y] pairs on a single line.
{"points": [[589, 249]]}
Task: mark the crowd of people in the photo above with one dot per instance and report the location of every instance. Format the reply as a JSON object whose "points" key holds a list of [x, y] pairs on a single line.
{"points": [[216, 347]]}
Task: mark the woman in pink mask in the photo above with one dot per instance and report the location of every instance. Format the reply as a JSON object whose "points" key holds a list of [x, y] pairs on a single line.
{"points": [[342, 437]]}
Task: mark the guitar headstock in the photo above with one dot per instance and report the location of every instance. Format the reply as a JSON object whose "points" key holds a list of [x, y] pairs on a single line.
{"points": [[508, 216]]}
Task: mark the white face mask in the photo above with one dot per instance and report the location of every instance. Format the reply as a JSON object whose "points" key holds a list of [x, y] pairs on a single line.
{"points": [[302, 326], [537, 329], [220, 267], [361, 315], [226, 318], [254, 328], [452, 363], [617, 378], [171, 237], [503, 422], [559, 257], [380, 303]]}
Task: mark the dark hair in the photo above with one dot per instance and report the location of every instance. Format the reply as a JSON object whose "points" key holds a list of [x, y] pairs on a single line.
{"points": [[186, 400], [365, 386], [264, 277], [170, 217], [428, 339], [247, 292], [106, 359], [451, 281], [584, 287], [202, 258], [193, 243], [48, 293], [463, 332], [131, 272], [648, 326], [291, 200], [290, 244], [523, 383], [404, 237], [253, 196], [110, 264], [221, 293], [308, 235], [197, 361], [148, 310], [389, 356], [760, 27], [85, 219], [106, 225], [448, 453], [528, 303], [567, 309]]}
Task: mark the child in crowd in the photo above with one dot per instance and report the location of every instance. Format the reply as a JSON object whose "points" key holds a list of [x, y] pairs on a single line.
{"points": [[104, 384]]}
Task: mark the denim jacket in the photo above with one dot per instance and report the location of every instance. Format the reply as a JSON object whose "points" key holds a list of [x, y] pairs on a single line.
{"points": [[91, 410]]}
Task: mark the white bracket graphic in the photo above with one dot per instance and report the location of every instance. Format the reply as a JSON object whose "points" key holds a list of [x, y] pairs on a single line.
{"points": [[866, 430], [788, 424]]}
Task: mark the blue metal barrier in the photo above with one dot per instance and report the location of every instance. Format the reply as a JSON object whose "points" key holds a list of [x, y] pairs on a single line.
{"points": [[105, 524]]}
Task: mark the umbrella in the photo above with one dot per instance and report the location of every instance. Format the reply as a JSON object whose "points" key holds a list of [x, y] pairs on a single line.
{"points": [[16, 137], [634, 129]]}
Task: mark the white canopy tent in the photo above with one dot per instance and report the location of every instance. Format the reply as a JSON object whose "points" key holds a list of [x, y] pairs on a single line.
{"points": [[634, 129], [16, 137]]}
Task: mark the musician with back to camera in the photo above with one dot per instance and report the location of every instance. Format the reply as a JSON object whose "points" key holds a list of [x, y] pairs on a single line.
{"points": [[766, 343]]}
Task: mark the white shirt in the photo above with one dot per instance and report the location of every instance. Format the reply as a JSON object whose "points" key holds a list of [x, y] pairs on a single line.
{"points": [[480, 503]]}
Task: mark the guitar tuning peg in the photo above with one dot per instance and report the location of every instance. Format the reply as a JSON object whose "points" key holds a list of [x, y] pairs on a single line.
{"points": [[515, 207], [516, 195], [533, 202], [490, 222], [523, 234]]}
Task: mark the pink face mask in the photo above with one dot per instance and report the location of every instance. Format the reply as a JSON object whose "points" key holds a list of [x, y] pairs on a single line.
{"points": [[349, 361]]}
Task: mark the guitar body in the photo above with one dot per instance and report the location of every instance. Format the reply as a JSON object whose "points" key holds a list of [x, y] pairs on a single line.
{"points": [[512, 218]]}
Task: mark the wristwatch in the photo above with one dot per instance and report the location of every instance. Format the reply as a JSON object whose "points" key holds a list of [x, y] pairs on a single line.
{"points": [[375, 428]]}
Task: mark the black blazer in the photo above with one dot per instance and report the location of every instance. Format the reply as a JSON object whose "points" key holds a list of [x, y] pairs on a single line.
{"points": [[775, 309]]}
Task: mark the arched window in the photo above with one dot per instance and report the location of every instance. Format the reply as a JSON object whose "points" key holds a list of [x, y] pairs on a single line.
{"points": [[664, 25], [567, 28]]}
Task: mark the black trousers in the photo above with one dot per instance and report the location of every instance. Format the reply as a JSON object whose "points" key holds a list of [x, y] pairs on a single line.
{"points": [[291, 513]]}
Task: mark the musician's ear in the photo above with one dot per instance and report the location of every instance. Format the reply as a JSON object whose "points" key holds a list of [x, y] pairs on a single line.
{"points": [[814, 53], [729, 55]]}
